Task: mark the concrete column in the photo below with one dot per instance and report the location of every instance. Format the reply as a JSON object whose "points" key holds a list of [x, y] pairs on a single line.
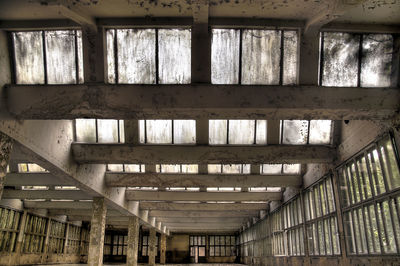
{"points": [[163, 248], [309, 58], [6, 144], [131, 128], [202, 139], [94, 59], [97, 230], [152, 247], [133, 241]]}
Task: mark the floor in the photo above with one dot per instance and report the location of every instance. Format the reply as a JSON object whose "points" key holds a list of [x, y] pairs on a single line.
{"points": [[192, 264]]}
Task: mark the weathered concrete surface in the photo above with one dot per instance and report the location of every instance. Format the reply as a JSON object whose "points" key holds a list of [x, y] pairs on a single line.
{"points": [[202, 206], [208, 214], [163, 248], [198, 180], [34, 179], [6, 144], [200, 101], [201, 196], [152, 250], [133, 241], [97, 231], [190, 154], [46, 194]]}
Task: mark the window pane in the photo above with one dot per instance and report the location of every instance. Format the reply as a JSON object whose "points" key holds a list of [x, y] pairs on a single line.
{"points": [[290, 57], [190, 168], [214, 168], [29, 65], [184, 131], [241, 131], [218, 131], [295, 131], [110, 56], [115, 167], [261, 137], [376, 64], [320, 131], [136, 56], [174, 56], [225, 56], [159, 131], [291, 168], [85, 130], [261, 56], [107, 130], [271, 169], [340, 62]]}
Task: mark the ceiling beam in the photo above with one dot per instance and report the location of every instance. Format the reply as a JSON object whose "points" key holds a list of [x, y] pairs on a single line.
{"points": [[203, 214], [201, 196], [199, 101], [190, 154], [200, 180], [77, 205], [80, 212], [236, 220], [46, 194], [164, 206], [46, 24], [34, 179]]}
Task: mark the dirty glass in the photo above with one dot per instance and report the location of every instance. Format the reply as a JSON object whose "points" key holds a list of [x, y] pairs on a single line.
{"points": [[115, 167], [290, 55], [236, 168], [159, 131], [169, 168], [270, 169], [107, 130], [376, 63], [218, 131], [214, 168], [320, 131], [29, 63], [85, 130], [225, 56], [241, 131], [295, 132], [261, 57], [174, 56], [60, 57], [136, 56], [291, 168], [261, 133], [190, 168], [184, 131], [340, 63], [110, 56]]}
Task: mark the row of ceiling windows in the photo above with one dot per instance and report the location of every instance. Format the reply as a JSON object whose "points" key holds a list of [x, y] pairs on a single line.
{"points": [[244, 132], [238, 56]]}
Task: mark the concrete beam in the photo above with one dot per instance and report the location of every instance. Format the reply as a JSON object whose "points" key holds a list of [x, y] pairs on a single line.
{"points": [[199, 180], [201, 196], [34, 179], [189, 154], [80, 212], [46, 194], [201, 220], [45, 24], [77, 205], [98, 100], [164, 206], [203, 214]]}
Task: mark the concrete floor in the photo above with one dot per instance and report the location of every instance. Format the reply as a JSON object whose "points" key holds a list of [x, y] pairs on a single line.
{"points": [[191, 264]]}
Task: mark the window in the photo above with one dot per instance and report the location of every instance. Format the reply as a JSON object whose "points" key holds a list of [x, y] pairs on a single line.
{"points": [[356, 60], [243, 132], [167, 131], [149, 56], [35, 234], [299, 132], [74, 234], [119, 244], [9, 219], [177, 168], [57, 237], [228, 168], [48, 57], [280, 169], [128, 168], [30, 168], [253, 56], [222, 246], [293, 223], [99, 130], [197, 246], [145, 245], [369, 189]]}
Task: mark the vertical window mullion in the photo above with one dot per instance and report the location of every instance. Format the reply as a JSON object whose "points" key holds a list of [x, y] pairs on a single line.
{"points": [[321, 61], [76, 58], [383, 168], [370, 174], [44, 58], [116, 63], [281, 59], [240, 55], [378, 226], [172, 129], [97, 131], [360, 51], [157, 57], [393, 224]]}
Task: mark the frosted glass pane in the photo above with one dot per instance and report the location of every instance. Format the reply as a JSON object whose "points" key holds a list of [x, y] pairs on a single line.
{"points": [[184, 131], [246, 168], [291, 168], [340, 63], [60, 57], [214, 168], [28, 48], [295, 131], [290, 55], [218, 131], [261, 57], [174, 52], [80, 57], [141, 131], [225, 56], [231, 168], [261, 137], [170, 168], [320, 131], [190, 168], [107, 130], [136, 56], [159, 131], [241, 131], [133, 168], [121, 131], [115, 167], [85, 130], [376, 64], [271, 169], [35, 168], [110, 56]]}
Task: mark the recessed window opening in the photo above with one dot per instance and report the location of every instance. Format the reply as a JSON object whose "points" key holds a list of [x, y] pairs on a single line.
{"points": [[177, 168], [30, 168], [254, 56], [48, 57], [298, 132], [99, 130], [228, 168], [167, 131], [280, 169], [129, 168], [241, 132], [149, 56]]}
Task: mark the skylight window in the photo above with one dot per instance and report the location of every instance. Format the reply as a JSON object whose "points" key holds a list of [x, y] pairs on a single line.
{"points": [[167, 131], [250, 56], [149, 56], [278, 169], [300, 132], [229, 168], [48, 57], [100, 130], [244, 132], [356, 60]]}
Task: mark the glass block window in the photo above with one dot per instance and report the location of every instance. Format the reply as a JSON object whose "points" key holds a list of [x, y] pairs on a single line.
{"points": [[254, 56], [167, 131], [149, 56], [48, 57], [241, 132], [99, 130]]}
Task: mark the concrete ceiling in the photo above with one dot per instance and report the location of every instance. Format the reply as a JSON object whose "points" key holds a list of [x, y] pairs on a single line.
{"points": [[372, 11]]}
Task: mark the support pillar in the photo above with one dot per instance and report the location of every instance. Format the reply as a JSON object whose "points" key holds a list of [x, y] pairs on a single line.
{"points": [[133, 241], [152, 247], [97, 230], [163, 248], [6, 144]]}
